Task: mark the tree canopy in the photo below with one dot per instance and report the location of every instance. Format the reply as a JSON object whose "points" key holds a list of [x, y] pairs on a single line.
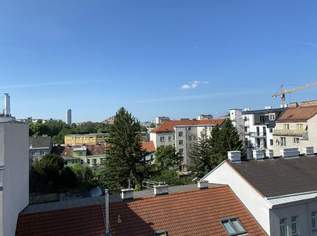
{"points": [[125, 158], [207, 153]]}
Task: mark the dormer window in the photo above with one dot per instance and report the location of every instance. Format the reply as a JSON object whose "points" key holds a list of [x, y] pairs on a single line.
{"points": [[233, 227]]}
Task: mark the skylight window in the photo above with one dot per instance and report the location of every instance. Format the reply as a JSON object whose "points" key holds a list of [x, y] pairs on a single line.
{"points": [[160, 233], [233, 227]]}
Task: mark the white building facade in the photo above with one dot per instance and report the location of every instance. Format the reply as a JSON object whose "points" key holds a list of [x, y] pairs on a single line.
{"points": [[288, 213], [14, 173], [255, 128], [182, 134]]}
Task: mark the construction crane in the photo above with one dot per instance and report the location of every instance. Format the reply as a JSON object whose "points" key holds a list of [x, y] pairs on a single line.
{"points": [[283, 91]]}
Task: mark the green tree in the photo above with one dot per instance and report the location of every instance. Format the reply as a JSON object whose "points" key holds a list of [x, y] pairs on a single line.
{"points": [[166, 157], [201, 157], [207, 153], [125, 159]]}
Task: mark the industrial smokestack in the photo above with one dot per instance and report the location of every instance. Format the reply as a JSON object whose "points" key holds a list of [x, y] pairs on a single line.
{"points": [[6, 105]]}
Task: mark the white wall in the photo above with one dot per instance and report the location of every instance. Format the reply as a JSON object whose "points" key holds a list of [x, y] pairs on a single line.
{"points": [[256, 204], [14, 146]]}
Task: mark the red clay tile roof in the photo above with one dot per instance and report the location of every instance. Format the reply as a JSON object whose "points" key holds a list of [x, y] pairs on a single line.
{"points": [[197, 212], [148, 146], [301, 113], [83, 221], [168, 126]]}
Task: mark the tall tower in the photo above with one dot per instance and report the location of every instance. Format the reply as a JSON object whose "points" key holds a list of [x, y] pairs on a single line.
{"points": [[6, 105], [69, 116]]}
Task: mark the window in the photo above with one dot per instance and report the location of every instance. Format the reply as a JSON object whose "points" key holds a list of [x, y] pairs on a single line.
{"points": [[272, 117], [314, 220], [271, 130], [296, 140], [180, 142], [283, 141], [181, 151], [294, 225], [180, 134], [169, 138], [264, 131], [245, 129], [271, 142], [283, 227], [189, 128], [300, 126], [286, 126], [233, 227], [258, 131], [162, 139]]}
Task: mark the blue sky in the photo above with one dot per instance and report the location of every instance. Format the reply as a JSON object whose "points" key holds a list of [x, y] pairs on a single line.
{"points": [[169, 57]]}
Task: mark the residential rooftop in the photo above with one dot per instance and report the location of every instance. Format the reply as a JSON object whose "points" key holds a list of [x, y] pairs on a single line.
{"points": [[168, 126], [263, 111], [280, 176], [40, 142], [298, 113], [188, 211]]}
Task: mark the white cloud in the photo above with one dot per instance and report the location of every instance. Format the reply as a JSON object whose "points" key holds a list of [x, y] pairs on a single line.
{"points": [[193, 84]]}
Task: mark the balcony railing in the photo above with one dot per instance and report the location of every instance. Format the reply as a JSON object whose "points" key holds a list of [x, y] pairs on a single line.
{"points": [[290, 132]]}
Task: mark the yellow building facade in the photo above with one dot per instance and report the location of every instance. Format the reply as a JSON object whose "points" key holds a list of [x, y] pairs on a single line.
{"points": [[81, 139]]}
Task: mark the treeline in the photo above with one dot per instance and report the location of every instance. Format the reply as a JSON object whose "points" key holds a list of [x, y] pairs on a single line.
{"points": [[49, 175], [58, 129]]}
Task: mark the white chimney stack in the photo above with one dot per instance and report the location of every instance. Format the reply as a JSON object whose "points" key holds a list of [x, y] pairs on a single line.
{"points": [[234, 156], [160, 189], [127, 194], [6, 105], [202, 184], [290, 152]]}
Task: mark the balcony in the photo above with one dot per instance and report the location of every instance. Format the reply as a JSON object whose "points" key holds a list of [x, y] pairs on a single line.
{"points": [[256, 135], [290, 132]]}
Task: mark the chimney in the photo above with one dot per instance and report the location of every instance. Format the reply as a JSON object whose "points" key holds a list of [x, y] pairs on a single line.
{"points": [[290, 152], [234, 156], [309, 151], [107, 226], [258, 154], [269, 153], [127, 194], [202, 184], [160, 189]]}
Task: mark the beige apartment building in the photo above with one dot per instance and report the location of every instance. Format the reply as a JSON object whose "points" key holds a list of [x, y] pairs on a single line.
{"points": [[296, 128], [88, 139]]}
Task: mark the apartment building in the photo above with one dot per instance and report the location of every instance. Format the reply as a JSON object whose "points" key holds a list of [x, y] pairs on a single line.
{"points": [[182, 134], [296, 128], [255, 128], [14, 172], [280, 193], [88, 139], [40, 146]]}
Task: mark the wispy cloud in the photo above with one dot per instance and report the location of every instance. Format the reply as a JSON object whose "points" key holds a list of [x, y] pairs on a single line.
{"points": [[193, 84], [49, 84], [201, 97]]}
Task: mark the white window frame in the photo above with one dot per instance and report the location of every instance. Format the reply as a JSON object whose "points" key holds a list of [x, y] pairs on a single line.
{"points": [[283, 223]]}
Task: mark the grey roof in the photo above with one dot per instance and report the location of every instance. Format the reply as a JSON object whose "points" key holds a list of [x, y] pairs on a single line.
{"points": [[41, 142], [264, 111], [280, 176], [115, 197]]}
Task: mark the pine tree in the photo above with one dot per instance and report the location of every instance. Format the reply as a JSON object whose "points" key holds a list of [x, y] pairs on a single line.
{"points": [[125, 159]]}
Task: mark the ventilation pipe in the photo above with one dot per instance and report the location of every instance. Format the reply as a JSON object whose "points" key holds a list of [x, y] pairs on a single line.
{"points": [[107, 226]]}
